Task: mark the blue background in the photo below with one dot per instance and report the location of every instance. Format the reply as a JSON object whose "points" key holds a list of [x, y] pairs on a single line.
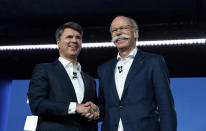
{"points": [[188, 93]]}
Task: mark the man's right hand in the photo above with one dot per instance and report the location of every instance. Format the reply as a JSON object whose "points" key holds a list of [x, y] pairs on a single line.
{"points": [[83, 109], [94, 111]]}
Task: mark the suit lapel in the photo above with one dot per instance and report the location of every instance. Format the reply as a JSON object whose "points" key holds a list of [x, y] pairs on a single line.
{"points": [[86, 85], [135, 67], [63, 77]]}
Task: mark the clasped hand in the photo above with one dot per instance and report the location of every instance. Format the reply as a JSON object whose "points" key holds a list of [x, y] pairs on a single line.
{"points": [[89, 110]]}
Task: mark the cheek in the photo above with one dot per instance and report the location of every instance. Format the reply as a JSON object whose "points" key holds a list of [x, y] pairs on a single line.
{"points": [[61, 45], [80, 44], [66, 41], [64, 46], [113, 35]]}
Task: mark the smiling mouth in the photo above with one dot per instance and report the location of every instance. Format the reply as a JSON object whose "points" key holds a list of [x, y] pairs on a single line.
{"points": [[121, 39], [73, 46]]}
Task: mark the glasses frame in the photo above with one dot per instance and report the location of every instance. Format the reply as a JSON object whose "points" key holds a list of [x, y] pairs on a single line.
{"points": [[122, 28]]}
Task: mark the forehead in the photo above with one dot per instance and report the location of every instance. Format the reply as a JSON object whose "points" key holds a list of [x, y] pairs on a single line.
{"points": [[120, 21], [69, 31]]}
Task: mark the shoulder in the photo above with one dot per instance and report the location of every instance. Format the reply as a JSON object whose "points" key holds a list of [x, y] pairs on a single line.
{"points": [[44, 66], [88, 76], [42, 71], [154, 61], [107, 64], [150, 56]]}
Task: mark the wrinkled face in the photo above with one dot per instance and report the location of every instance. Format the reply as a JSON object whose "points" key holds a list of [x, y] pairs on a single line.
{"points": [[121, 26], [70, 43]]}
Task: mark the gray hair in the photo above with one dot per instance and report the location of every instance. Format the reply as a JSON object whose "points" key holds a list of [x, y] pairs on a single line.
{"points": [[134, 24], [132, 21]]}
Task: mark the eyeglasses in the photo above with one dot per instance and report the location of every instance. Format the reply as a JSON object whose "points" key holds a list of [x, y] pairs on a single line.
{"points": [[121, 28]]}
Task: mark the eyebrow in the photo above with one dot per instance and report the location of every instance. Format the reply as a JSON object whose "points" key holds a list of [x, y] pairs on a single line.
{"points": [[71, 36]]}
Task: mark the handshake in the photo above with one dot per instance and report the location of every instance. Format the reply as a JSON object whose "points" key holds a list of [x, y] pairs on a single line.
{"points": [[89, 110]]}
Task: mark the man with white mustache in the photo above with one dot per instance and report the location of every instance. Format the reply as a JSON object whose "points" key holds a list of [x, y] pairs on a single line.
{"points": [[116, 38], [60, 94], [134, 92]]}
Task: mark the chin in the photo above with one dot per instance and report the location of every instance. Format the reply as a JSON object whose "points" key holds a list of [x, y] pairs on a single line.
{"points": [[121, 46], [74, 54]]}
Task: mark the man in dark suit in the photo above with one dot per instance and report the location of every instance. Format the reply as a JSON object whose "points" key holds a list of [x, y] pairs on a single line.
{"points": [[134, 87], [59, 92]]}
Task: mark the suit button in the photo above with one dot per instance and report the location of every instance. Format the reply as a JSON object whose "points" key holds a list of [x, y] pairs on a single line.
{"points": [[116, 125], [121, 106]]}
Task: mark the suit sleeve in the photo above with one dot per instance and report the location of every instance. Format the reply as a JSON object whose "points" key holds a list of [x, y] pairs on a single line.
{"points": [[101, 96], [39, 101], [161, 82]]}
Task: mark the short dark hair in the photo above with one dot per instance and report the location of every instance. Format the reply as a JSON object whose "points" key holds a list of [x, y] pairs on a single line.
{"points": [[72, 25]]}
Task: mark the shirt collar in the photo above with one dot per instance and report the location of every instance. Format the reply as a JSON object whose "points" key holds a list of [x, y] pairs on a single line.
{"points": [[131, 55], [66, 63]]}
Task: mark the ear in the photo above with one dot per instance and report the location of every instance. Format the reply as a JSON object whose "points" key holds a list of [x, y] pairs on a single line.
{"points": [[58, 44], [136, 33]]}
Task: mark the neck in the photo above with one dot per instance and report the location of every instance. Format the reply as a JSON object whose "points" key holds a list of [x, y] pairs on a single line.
{"points": [[73, 60], [125, 52]]}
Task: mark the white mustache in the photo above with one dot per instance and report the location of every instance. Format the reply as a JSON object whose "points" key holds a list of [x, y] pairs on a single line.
{"points": [[123, 36]]}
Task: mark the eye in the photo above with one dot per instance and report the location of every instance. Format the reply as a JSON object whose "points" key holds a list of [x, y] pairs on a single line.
{"points": [[114, 30], [78, 37], [122, 28], [70, 36], [126, 27]]}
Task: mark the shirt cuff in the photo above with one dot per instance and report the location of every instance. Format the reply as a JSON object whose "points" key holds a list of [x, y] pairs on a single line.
{"points": [[72, 108]]}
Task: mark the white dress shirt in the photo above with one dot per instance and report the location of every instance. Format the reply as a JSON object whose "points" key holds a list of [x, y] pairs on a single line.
{"points": [[76, 80], [121, 71]]}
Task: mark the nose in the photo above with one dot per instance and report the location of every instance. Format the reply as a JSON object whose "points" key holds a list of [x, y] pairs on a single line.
{"points": [[118, 32], [74, 40]]}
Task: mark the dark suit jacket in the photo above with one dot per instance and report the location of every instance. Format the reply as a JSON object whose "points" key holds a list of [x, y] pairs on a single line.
{"points": [[146, 103], [51, 91]]}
